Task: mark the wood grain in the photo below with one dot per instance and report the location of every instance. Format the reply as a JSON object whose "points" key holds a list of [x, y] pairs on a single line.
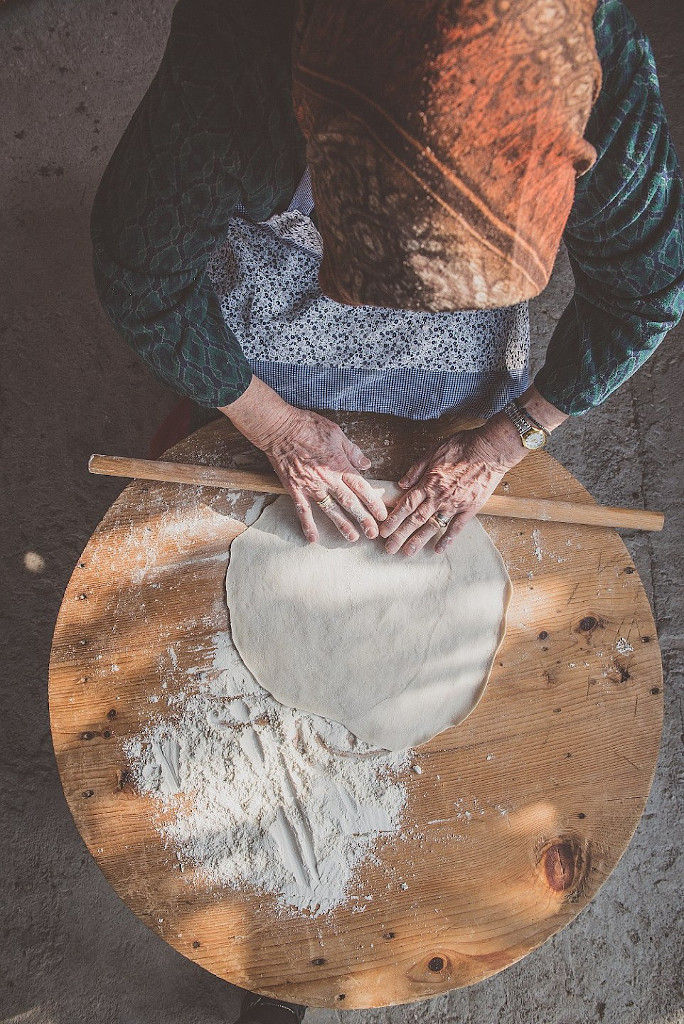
{"points": [[520, 812]]}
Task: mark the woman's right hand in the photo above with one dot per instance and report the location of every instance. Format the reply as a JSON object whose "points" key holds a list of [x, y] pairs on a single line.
{"points": [[313, 458]]}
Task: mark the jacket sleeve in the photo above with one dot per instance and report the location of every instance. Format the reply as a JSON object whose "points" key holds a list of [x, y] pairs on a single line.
{"points": [[624, 236], [215, 128]]}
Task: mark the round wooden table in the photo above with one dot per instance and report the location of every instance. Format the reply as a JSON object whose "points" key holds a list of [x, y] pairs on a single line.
{"points": [[520, 812]]}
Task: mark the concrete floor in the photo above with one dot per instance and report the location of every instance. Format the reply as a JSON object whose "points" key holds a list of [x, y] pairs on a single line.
{"points": [[72, 72]]}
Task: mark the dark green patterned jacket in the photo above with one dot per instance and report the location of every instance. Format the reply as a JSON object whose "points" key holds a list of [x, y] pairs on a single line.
{"points": [[216, 127]]}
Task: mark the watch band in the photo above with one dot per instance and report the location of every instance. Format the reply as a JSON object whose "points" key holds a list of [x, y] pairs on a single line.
{"points": [[523, 421], [528, 415]]}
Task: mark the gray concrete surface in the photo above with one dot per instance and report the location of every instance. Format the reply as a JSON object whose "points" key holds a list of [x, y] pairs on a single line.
{"points": [[72, 72]]}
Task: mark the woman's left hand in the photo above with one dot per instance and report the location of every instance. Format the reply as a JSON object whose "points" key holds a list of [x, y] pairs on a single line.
{"points": [[454, 480]]}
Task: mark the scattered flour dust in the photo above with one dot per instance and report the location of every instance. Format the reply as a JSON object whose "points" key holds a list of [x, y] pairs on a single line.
{"points": [[253, 794]]}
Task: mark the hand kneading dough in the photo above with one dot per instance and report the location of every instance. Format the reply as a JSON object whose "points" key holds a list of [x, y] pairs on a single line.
{"points": [[394, 648]]}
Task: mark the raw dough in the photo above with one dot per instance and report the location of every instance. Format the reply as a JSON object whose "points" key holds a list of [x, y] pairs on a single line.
{"points": [[394, 648]]}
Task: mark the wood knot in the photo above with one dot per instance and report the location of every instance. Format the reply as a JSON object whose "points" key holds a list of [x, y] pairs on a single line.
{"points": [[564, 865], [318, 961], [435, 969], [589, 623]]}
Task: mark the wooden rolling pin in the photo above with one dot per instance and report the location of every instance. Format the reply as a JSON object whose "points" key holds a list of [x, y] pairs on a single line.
{"points": [[545, 510]]}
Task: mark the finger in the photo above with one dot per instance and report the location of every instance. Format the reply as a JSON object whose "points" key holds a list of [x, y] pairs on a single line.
{"points": [[351, 504], [404, 507], [369, 495], [454, 528], [419, 539], [305, 515], [341, 521], [355, 455], [413, 474], [409, 526]]}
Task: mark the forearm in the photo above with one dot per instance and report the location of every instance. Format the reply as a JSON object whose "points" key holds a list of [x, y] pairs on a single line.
{"points": [[260, 414], [625, 234], [153, 225], [196, 146], [178, 332], [594, 350], [501, 437]]}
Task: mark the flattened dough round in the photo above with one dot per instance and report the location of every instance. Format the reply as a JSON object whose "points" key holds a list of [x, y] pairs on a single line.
{"points": [[394, 648]]}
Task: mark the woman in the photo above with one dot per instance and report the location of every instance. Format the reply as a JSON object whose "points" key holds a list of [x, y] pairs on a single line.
{"points": [[216, 142], [352, 212]]}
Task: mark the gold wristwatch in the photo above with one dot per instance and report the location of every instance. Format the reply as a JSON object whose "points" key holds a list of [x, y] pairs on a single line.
{"points": [[532, 434]]}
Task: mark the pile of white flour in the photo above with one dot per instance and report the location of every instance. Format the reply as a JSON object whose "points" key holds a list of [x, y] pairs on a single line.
{"points": [[257, 795]]}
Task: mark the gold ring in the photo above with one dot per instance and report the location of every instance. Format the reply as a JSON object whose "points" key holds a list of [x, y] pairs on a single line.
{"points": [[440, 520], [326, 502]]}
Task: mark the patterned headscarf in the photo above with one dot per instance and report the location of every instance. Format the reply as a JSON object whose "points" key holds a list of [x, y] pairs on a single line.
{"points": [[444, 138]]}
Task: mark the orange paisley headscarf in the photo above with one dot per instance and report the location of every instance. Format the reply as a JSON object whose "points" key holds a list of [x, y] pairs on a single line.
{"points": [[444, 138]]}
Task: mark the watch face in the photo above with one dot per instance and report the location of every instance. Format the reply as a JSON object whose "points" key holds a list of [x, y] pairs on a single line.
{"points": [[534, 439]]}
